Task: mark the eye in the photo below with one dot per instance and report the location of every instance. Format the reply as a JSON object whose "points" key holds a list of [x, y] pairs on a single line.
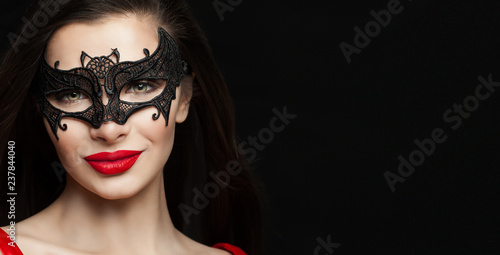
{"points": [[141, 87], [73, 96], [70, 100], [142, 90]]}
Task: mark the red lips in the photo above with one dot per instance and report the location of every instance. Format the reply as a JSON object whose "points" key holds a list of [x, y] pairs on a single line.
{"points": [[109, 163]]}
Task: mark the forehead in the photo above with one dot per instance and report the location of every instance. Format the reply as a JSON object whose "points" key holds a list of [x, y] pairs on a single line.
{"points": [[129, 34]]}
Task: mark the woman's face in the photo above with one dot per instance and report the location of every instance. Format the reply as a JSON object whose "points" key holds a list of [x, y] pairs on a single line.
{"points": [[152, 139]]}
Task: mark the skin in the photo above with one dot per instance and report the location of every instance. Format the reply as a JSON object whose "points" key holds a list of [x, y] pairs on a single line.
{"points": [[119, 214]]}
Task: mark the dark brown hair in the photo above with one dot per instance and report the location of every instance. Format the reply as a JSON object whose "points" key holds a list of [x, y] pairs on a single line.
{"points": [[205, 143]]}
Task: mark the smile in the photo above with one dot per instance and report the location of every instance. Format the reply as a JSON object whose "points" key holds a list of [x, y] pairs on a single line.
{"points": [[110, 163]]}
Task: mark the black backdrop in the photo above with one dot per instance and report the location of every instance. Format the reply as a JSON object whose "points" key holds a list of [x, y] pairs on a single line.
{"points": [[324, 172]]}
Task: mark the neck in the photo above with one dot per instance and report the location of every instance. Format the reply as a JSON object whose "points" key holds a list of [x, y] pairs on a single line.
{"points": [[111, 225]]}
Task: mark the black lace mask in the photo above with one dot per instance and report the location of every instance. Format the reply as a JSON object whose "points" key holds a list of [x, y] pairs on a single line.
{"points": [[130, 86]]}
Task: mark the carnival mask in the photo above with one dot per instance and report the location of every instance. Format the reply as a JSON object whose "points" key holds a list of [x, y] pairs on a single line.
{"points": [[130, 86]]}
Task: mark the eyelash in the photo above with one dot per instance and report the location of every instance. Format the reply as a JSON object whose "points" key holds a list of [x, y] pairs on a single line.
{"points": [[60, 97], [151, 87]]}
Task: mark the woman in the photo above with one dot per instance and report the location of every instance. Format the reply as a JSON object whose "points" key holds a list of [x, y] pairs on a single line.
{"points": [[113, 83]]}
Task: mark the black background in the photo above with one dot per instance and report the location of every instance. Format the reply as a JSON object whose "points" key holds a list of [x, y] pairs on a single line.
{"points": [[324, 173]]}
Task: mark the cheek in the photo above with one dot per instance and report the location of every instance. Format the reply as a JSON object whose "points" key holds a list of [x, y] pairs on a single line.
{"points": [[156, 131], [158, 136], [72, 143]]}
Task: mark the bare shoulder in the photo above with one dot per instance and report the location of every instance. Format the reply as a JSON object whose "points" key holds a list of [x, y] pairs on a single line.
{"points": [[23, 239], [30, 238], [26, 243], [219, 251], [203, 249], [5, 228], [199, 248], [213, 251]]}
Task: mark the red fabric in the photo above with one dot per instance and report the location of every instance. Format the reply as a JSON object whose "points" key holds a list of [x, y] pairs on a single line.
{"points": [[230, 248], [5, 248]]}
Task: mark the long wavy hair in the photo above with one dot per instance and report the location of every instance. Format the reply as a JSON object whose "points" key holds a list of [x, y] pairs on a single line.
{"points": [[205, 143]]}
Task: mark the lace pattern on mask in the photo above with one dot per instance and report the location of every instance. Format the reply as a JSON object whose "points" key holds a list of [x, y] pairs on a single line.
{"points": [[103, 72]]}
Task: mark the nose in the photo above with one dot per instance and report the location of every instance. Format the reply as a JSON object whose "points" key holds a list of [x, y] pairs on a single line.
{"points": [[110, 132], [105, 97]]}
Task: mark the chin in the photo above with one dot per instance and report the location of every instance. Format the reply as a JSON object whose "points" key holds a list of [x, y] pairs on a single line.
{"points": [[123, 186], [116, 195]]}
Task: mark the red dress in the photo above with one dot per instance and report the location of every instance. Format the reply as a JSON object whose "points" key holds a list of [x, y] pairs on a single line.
{"points": [[7, 247]]}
